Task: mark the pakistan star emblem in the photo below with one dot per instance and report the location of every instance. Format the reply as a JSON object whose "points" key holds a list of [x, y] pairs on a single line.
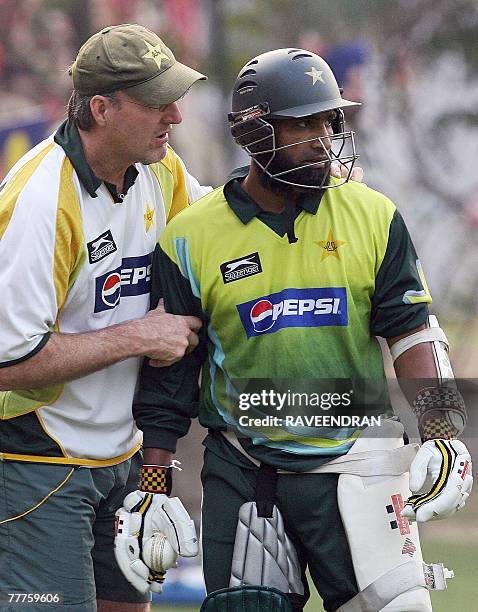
{"points": [[315, 74], [155, 53], [148, 217], [330, 246]]}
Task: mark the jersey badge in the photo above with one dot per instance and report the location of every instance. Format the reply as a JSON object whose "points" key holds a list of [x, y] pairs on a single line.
{"points": [[320, 307], [101, 246], [330, 246], [148, 217], [248, 265]]}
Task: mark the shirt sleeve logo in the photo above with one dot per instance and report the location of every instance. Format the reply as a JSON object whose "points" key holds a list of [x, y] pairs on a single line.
{"points": [[101, 246], [320, 307], [249, 265]]}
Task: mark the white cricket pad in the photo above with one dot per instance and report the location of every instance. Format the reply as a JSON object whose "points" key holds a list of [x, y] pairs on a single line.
{"points": [[385, 547]]}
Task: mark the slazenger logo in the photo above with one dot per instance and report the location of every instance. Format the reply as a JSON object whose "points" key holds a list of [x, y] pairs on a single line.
{"points": [[249, 265], [101, 247], [133, 277], [325, 306]]}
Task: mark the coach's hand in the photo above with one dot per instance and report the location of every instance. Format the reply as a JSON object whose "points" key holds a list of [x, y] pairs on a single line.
{"points": [[340, 171], [152, 530], [448, 462], [169, 337]]}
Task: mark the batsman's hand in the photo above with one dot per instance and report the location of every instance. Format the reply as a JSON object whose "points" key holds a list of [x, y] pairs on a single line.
{"points": [[448, 462], [152, 530]]}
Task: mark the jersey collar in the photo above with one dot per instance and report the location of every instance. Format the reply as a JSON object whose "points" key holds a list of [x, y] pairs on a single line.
{"points": [[68, 138], [246, 208]]}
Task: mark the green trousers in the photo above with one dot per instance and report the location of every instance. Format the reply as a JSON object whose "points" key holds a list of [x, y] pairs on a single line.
{"points": [[308, 503]]}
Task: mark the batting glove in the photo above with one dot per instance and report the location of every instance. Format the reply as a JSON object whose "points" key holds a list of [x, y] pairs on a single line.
{"points": [[448, 462], [152, 530]]}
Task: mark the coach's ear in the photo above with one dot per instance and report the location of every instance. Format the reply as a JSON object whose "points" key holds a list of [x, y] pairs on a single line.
{"points": [[99, 106]]}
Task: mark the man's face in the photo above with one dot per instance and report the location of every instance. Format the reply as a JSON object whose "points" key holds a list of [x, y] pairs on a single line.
{"points": [[141, 133], [314, 128]]}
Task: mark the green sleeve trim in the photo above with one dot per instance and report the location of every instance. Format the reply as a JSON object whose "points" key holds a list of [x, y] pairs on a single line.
{"points": [[181, 246]]}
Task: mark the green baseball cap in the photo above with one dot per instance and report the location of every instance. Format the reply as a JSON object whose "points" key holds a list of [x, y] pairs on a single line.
{"points": [[131, 58]]}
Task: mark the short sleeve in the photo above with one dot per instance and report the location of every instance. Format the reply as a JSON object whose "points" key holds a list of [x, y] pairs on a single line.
{"points": [[401, 297]]}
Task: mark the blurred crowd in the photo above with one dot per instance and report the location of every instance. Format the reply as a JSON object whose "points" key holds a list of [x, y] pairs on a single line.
{"points": [[40, 38]]}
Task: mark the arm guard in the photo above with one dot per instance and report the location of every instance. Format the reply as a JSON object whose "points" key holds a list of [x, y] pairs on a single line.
{"points": [[440, 410]]}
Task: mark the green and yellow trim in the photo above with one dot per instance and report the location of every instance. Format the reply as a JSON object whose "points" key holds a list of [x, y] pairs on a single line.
{"points": [[70, 460], [15, 186], [170, 175]]}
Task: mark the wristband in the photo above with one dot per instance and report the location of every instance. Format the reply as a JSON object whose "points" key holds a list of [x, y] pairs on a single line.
{"points": [[441, 413], [157, 478]]}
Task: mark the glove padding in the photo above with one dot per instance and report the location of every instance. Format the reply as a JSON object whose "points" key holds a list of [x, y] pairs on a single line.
{"points": [[448, 462], [142, 515]]}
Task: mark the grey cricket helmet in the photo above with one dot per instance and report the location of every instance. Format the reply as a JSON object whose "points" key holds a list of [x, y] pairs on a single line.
{"points": [[293, 82]]}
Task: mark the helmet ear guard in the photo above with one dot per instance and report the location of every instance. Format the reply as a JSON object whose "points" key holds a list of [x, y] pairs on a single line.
{"points": [[247, 127], [338, 124], [252, 133]]}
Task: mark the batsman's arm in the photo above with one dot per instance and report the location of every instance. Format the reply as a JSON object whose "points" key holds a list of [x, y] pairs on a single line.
{"points": [[420, 352], [166, 401], [167, 398]]}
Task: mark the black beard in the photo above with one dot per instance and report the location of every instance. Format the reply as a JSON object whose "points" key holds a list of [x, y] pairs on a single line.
{"points": [[312, 175]]}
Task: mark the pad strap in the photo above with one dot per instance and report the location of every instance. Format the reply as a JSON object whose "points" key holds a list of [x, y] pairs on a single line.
{"points": [[266, 484], [386, 588], [391, 462]]}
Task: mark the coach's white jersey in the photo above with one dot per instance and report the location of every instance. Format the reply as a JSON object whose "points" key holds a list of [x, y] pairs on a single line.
{"points": [[75, 258]]}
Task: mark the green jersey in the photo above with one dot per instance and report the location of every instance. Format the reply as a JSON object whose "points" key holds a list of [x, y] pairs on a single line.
{"points": [[278, 310]]}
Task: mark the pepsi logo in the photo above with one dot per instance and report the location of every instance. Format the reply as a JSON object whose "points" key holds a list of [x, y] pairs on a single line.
{"points": [[111, 290], [131, 279], [311, 307], [262, 316]]}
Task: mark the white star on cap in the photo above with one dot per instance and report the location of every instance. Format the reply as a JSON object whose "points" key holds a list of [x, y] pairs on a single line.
{"points": [[316, 75], [154, 53]]}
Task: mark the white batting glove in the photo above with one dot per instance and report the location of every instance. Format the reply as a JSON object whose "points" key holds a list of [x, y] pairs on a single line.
{"points": [[448, 462], [152, 530]]}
